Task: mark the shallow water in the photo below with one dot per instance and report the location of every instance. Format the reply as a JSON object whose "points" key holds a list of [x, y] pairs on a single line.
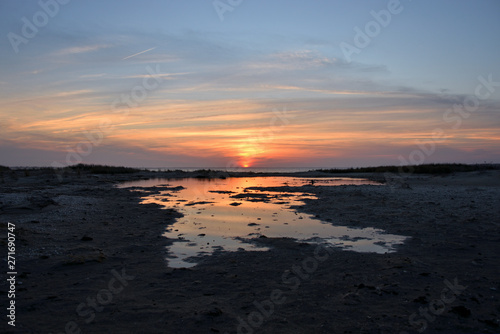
{"points": [[223, 214]]}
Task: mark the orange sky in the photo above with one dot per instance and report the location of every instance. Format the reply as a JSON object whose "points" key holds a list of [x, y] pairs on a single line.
{"points": [[240, 131]]}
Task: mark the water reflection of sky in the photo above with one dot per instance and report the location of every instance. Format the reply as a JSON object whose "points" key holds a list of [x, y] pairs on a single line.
{"points": [[223, 214]]}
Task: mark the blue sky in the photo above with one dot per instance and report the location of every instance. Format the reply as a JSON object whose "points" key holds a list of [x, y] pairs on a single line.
{"points": [[220, 85]]}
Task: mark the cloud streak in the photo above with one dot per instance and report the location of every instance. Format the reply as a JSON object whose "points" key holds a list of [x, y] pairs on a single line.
{"points": [[81, 49], [138, 53]]}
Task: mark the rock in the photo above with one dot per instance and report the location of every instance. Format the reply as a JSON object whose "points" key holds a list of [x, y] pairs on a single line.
{"points": [[421, 300], [215, 312], [461, 311]]}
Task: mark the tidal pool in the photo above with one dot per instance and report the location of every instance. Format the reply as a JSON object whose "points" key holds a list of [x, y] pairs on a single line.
{"points": [[224, 215]]}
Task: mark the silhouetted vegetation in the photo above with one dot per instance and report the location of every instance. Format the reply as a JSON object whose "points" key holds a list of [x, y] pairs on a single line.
{"points": [[417, 169], [102, 169], [210, 174], [4, 168]]}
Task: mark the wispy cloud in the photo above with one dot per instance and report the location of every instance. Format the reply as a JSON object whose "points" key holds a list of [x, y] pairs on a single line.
{"points": [[161, 75], [81, 49], [139, 53], [73, 93], [97, 75]]}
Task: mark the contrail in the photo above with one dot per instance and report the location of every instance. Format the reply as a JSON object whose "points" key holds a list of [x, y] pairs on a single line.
{"points": [[139, 53]]}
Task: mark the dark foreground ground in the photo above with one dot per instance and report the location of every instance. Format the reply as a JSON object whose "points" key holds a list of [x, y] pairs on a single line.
{"points": [[90, 259]]}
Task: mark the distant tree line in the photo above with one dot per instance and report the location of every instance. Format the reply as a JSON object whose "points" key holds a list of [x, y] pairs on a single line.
{"points": [[90, 168], [418, 169]]}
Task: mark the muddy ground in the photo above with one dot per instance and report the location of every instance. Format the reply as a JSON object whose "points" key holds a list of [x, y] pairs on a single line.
{"points": [[91, 259]]}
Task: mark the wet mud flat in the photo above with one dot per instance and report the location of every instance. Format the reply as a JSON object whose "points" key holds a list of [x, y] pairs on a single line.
{"points": [[91, 259]]}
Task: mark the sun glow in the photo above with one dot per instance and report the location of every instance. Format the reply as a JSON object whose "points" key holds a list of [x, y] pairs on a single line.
{"points": [[245, 163], [248, 151]]}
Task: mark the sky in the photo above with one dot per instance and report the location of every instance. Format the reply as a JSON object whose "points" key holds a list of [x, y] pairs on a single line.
{"points": [[260, 83]]}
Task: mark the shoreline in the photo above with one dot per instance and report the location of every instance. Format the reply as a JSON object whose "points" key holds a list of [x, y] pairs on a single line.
{"points": [[74, 236]]}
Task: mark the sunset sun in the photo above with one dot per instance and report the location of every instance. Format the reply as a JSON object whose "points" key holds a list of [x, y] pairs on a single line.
{"points": [[245, 163]]}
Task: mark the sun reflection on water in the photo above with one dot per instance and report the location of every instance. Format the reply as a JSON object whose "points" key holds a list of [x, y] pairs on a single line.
{"points": [[225, 214]]}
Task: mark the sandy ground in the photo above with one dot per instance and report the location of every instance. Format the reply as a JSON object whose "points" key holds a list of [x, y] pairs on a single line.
{"points": [[90, 259]]}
